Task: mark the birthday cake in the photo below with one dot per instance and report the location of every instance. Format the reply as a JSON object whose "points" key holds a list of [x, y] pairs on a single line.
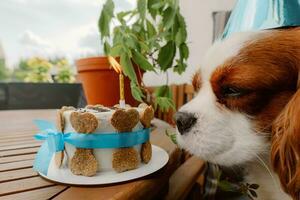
{"points": [[99, 120]]}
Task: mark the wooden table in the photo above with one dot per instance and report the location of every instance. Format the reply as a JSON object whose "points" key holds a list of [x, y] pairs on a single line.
{"points": [[19, 181]]}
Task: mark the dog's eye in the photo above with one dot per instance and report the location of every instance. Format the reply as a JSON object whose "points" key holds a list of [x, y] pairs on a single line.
{"points": [[232, 92]]}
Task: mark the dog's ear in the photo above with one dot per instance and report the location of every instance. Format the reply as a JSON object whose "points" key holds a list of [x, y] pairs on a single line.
{"points": [[285, 147]]}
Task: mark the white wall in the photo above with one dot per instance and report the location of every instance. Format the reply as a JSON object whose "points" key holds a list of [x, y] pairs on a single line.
{"points": [[198, 15]]}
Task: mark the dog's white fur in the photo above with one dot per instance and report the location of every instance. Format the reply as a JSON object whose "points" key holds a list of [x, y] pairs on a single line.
{"points": [[223, 136]]}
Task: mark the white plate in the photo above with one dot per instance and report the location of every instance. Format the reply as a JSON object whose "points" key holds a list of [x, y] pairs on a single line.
{"points": [[159, 159]]}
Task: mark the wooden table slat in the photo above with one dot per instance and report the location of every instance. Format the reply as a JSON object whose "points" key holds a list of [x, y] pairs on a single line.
{"points": [[33, 142], [183, 179], [16, 152], [16, 165], [23, 185], [38, 194], [19, 146], [17, 158], [26, 134], [15, 140], [17, 174]]}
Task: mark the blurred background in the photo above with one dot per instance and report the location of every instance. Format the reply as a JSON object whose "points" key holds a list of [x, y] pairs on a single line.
{"points": [[53, 34]]}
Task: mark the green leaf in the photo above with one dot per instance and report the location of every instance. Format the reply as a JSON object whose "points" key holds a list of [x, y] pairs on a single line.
{"points": [[116, 50], [117, 39], [166, 55], [181, 20], [180, 67], [150, 29], [164, 103], [127, 67], [152, 11], [106, 48], [136, 92], [168, 17], [142, 6], [163, 91], [226, 186], [107, 14], [143, 63], [144, 46], [163, 98], [253, 193], [131, 42], [172, 136], [254, 186], [136, 27], [184, 51], [123, 14], [180, 36], [157, 5]]}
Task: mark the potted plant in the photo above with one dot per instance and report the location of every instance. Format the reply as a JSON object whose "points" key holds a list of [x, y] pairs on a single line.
{"points": [[36, 88], [150, 37]]}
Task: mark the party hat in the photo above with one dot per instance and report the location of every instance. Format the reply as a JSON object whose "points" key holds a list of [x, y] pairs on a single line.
{"points": [[252, 15]]}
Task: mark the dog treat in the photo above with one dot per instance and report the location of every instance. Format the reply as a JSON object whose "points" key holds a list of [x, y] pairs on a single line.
{"points": [[59, 156], [125, 159], [83, 122], [84, 163], [125, 120], [146, 116], [146, 152], [60, 119]]}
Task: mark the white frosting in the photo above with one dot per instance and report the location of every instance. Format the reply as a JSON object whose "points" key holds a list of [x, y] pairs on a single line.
{"points": [[103, 156]]}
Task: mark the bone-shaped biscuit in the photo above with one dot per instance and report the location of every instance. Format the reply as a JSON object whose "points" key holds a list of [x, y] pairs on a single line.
{"points": [[146, 152], [146, 116], [60, 123], [125, 158], [84, 163], [83, 122], [125, 120]]}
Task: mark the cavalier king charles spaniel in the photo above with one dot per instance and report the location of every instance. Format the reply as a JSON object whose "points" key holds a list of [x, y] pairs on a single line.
{"points": [[247, 110]]}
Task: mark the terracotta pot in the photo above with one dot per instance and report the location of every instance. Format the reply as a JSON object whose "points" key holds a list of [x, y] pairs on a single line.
{"points": [[101, 83]]}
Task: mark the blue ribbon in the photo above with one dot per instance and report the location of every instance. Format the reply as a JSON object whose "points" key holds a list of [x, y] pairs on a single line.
{"points": [[54, 142]]}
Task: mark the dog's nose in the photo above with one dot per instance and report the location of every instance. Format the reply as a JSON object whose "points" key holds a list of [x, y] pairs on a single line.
{"points": [[184, 121]]}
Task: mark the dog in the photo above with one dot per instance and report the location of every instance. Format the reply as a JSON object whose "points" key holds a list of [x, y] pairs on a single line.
{"points": [[246, 111]]}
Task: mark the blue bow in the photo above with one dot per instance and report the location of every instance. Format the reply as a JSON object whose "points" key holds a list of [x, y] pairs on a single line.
{"points": [[55, 142]]}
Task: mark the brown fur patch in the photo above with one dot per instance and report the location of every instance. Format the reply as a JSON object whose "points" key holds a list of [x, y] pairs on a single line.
{"points": [[196, 81]]}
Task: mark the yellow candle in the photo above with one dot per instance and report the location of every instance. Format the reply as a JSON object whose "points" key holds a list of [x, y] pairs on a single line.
{"points": [[121, 79]]}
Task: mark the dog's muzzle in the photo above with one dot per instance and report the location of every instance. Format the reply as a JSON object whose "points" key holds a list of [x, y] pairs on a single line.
{"points": [[184, 121]]}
